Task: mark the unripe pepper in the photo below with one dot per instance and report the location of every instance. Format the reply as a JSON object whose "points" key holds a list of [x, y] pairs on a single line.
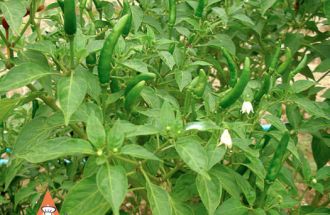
{"points": [[70, 23], [105, 62], [197, 86], [200, 8], [141, 77], [238, 89], [264, 88], [127, 10], [288, 60], [300, 66], [277, 161], [91, 60], [275, 58], [133, 96], [231, 67]]}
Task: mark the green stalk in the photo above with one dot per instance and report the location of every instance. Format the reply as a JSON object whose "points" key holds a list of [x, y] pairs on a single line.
{"points": [[71, 39]]}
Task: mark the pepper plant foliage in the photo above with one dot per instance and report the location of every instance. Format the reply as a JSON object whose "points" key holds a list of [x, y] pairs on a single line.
{"points": [[165, 133]]}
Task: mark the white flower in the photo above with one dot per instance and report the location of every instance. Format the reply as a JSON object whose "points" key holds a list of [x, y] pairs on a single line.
{"points": [[226, 139], [247, 107]]}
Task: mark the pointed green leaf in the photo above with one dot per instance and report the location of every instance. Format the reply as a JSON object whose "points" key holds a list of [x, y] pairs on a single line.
{"points": [[13, 11], [95, 131], [210, 192], [113, 185], [193, 154], [71, 92], [22, 75], [85, 198], [167, 58], [6, 107], [158, 200], [138, 151], [55, 148]]}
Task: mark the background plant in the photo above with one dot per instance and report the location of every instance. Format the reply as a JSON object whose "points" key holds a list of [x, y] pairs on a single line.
{"points": [[147, 117]]}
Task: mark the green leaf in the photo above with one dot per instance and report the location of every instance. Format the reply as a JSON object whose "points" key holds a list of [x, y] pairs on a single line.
{"points": [[116, 135], [265, 5], [245, 186], [159, 200], [167, 58], [243, 144], [179, 208], [137, 17], [321, 149], [35, 131], [13, 11], [71, 92], [12, 171], [22, 75], [227, 180], [209, 191], [44, 46], [302, 85], [93, 85], [244, 18], [113, 185], [276, 122], [136, 65], [193, 154], [324, 65], [182, 78], [95, 131], [311, 107], [56, 148], [6, 107], [85, 197], [138, 151], [215, 154], [25, 192], [326, 8], [223, 40], [231, 206]]}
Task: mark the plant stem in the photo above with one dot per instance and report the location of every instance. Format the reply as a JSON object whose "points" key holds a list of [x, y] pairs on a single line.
{"points": [[323, 76], [71, 39]]}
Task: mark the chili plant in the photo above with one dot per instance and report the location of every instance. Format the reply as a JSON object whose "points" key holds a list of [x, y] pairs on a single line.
{"points": [[165, 106]]}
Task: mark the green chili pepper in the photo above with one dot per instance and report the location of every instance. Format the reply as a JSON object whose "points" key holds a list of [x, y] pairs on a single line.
{"points": [[127, 10], [275, 58], [238, 89], [105, 62], [231, 67], [172, 16], [141, 77], [70, 25], [264, 88], [91, 60], [277, 161], [288, 59], [200, 8], [197, 87], [114, 85], [133, 96], [35, 107], [300, 66], [293, 115]]}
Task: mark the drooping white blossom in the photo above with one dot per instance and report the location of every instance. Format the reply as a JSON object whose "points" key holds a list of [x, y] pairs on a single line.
{"points": [[225, 139], [247, 107]]}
